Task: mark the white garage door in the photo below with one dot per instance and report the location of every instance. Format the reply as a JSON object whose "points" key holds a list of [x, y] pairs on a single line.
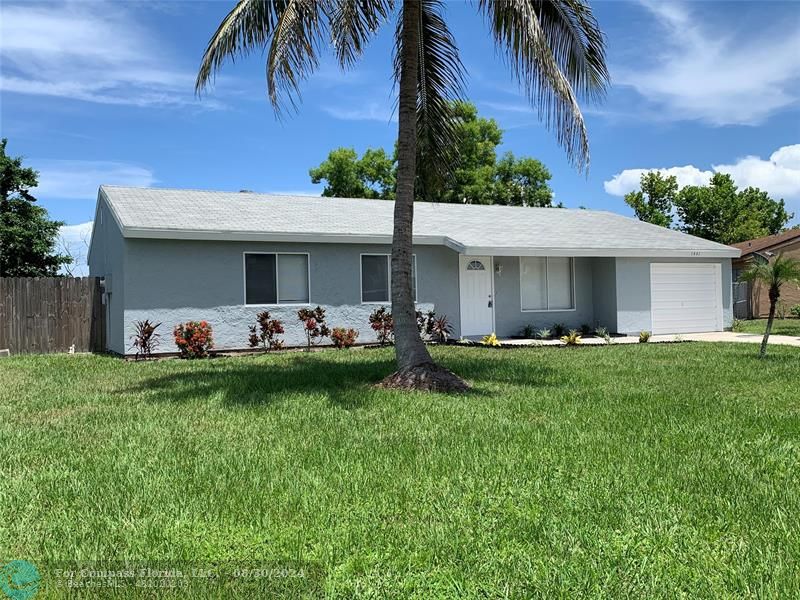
{"points": [[686, 298]]}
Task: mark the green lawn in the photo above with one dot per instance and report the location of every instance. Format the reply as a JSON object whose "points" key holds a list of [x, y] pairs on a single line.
{"points": [[623, 471], [779, 326]]}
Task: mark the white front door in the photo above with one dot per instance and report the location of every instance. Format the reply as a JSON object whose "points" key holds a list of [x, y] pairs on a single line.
{"points": [[477, 295], [686, 297]]}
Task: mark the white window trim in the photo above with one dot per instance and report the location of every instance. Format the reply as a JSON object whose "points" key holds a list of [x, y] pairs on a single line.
{"points": [[277, 280], [547, 284], [389, 268]]}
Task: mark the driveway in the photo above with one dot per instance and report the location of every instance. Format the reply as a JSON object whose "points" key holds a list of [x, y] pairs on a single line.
{"points": [[732, 336], [714, 336]]}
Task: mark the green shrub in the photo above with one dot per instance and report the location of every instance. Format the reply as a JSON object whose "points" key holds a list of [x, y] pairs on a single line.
{"points": [[544, 334], [573, 338], [644, 337], [602, 332], [795, 311]]}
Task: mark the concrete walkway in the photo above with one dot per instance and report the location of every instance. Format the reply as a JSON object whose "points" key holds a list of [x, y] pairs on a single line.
{"points": [[746, 338], [716, 336]]}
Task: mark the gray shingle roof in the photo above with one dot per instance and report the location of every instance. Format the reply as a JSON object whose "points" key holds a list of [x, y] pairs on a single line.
{"points": [[471, 229]]}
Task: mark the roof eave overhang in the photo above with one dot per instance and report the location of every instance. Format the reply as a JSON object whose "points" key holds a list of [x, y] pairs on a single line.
{"points": [[432, 240], [605, 252], [261, 236]]}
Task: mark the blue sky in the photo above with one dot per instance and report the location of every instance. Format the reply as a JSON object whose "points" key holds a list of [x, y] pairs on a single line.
{"points": [[98, 92]]}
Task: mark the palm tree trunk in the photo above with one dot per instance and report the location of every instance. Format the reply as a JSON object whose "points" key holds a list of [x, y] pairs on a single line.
{"points": [[774, 294], [415, 367], [410, 350]]}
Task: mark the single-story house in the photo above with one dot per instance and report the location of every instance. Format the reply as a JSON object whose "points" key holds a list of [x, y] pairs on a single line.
{"points": [[752, 300], [176, 255]]}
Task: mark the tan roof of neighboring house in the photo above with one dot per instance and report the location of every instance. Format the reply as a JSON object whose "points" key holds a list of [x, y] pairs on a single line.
{"points": [[765, 243]]}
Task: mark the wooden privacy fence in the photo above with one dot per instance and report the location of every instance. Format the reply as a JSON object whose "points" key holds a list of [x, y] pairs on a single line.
{"points": [[50, 314]]}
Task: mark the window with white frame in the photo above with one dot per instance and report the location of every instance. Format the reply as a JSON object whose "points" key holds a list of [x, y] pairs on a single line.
{"points": [[275, 278], [376, 278], [546, 283]]}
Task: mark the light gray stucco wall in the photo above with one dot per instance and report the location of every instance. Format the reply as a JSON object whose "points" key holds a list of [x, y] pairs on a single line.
{"points": [[173, 281], [510, 319], [107, 259], [633, 291], [604, 293]]}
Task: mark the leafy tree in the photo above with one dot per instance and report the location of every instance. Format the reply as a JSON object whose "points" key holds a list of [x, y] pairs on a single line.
{"points": [[556, 51], [774, 274], [348, 176], [720, 212], [27, 236], [477, 178], [520, 182], [653, 202], [470, 178]]}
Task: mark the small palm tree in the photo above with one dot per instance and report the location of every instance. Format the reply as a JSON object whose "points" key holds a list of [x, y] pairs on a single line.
{"points": [[774, 274], [554, 48]]}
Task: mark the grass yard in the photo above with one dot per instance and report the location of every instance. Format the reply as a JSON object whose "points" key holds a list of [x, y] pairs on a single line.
{"points": [[623, 471], [779, 326]]}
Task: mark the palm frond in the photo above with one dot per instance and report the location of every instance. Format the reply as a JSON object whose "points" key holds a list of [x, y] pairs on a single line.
{"points": [[440, 83], [353, 23], [578, 45], [780, 270], [554, 49], [292, 30]]}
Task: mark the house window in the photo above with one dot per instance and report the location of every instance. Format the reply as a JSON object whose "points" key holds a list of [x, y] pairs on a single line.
{"points": [[475, 265], [376, 278], [546, 283], [276, 278]]}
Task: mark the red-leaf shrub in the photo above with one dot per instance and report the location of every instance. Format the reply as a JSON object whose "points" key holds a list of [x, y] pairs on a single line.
{"points": [[146, 339], [430, 326], [193, 339], [343, 338], [265, 332], [441, 329], [314, 324], [383, 325]]}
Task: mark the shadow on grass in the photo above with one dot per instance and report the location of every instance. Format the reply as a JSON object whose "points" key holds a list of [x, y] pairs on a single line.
{"points": [[247, 381], [346, 383]]}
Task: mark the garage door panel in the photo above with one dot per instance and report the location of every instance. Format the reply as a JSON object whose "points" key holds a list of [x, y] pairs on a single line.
{"points": [[685, 298]]}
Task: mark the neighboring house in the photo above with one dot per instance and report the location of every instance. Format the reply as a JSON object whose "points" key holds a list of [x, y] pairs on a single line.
{"points": [[177, 255], [753, 300]]}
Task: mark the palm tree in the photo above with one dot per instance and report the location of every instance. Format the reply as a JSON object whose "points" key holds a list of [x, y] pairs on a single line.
{"points": [[554, 48], [773, 274]]}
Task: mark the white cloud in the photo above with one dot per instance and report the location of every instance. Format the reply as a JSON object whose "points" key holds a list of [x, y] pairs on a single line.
{"points": [[79, 179], [721, 78], [628, 180], [74, 240], [90, 51], [370, 111], [779, 174]]}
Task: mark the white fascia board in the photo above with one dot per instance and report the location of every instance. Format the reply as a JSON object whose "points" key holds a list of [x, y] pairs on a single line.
{"points": [[606, 252], [265, 236]]}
